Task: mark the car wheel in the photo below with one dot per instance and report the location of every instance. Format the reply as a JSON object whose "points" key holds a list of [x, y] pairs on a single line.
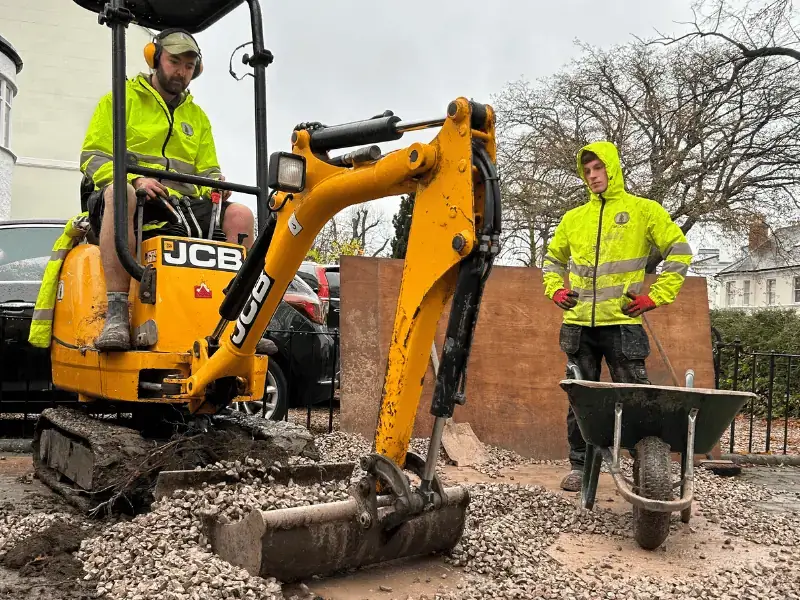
{"points": [[273, 405]]}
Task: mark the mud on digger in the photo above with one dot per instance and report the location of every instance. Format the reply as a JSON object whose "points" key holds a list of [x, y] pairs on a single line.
{"points": [[194, 357]]}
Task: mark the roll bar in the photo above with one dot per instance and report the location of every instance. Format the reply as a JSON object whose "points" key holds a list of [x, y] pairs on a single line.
{"points": [[117, 16]]}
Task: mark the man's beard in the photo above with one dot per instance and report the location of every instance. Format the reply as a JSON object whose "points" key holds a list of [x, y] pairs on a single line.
{"points": [[176, 85]]}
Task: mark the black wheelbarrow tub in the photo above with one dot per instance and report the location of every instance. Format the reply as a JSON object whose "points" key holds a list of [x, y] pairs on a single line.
{"points": [[652, 410]]}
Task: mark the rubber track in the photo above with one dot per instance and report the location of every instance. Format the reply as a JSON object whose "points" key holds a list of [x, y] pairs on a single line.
{"points": [[116, 450]]}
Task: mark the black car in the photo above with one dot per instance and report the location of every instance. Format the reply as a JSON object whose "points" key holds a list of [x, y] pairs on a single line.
{"points": [[299, 374]]}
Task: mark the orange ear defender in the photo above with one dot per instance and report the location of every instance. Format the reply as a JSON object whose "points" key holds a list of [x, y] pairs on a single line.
{"points": [[152, 51]]}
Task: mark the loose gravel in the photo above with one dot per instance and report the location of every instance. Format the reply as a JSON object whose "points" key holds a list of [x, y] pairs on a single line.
{"points": [[506, 551]]}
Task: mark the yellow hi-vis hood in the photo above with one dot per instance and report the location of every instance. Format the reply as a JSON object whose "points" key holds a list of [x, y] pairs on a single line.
{"points": [[42, 323], [605, 243]]}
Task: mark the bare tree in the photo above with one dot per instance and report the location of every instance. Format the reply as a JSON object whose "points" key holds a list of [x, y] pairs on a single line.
{"points": [[362, 222], [753, 30], [708, 148], [358, 230]]}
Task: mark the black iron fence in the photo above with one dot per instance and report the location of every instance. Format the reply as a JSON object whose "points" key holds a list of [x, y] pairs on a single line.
{"points": [[322, 365], [309, 362], [771, 422]]}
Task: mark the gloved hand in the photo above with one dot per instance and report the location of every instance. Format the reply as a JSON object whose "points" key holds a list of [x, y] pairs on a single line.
{"points": [[639, 305], [565, 298]]}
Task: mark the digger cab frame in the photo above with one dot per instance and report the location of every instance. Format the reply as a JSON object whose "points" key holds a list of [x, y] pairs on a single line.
{"points": [[194, 16]]}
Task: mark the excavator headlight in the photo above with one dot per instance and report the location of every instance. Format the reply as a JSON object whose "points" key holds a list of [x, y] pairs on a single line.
{"points": [[287, 172]]}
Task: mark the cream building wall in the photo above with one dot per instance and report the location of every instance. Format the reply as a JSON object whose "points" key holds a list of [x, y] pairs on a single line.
{"points": [[67, 68], [10, 65]]}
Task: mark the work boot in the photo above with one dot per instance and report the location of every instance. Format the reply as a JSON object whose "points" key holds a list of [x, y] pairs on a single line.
{"points": [[572, 482], [116, 334], [266, 346]]}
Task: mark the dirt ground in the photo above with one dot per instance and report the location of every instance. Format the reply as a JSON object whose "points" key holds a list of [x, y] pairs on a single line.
{"points": [[49, 575], [40, 566]]}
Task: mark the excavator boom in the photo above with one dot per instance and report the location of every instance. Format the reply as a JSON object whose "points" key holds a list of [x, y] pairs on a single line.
{"points": [[453, 240]]}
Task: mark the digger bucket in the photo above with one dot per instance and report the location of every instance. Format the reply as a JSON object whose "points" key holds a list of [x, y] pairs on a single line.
{"points": [[292, 544], [295, 543]]}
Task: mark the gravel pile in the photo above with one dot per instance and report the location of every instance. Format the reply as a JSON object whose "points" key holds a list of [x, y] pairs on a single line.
{"points": [[162, 555], [504, 553], [15, 526], [507, 551], [730, 503]]}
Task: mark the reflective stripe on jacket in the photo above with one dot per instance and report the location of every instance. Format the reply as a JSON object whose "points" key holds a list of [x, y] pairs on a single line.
{"points": [[42, 323], [605, 244], [180, 142]]}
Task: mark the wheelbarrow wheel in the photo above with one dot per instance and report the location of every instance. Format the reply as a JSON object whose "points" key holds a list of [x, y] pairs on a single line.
{"points": [[652, 476]]}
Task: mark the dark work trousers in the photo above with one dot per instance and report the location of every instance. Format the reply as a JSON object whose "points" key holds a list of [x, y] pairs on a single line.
{"points": [[625, 348]]}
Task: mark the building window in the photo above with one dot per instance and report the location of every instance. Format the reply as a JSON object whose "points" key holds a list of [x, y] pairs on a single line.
{"points": [[770, 292], [797, 289], [5, 113], [746, 294], [729, 293]]}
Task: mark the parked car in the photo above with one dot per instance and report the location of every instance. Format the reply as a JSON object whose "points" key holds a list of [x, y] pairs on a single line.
{"points": [[324, 280], [299, 374]]}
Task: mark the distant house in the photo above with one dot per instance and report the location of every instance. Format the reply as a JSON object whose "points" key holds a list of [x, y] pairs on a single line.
{"points": [[768, 275], [707, 263]]}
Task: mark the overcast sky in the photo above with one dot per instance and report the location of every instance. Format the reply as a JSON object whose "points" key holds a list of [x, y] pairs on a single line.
{"points": [[344, 60]]}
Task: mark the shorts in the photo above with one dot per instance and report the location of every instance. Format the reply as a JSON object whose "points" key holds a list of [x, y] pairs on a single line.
{"points": [[155, 212]]}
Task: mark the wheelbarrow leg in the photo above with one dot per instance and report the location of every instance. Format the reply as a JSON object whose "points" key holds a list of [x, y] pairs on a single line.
{"points": [[591, 474], [686, 513]]}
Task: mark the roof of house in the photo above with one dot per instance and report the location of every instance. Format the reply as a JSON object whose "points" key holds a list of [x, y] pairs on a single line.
{"points": [[780, 251]]}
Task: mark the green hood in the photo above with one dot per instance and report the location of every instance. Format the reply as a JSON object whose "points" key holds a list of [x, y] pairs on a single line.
{"points": [[608, 154]]}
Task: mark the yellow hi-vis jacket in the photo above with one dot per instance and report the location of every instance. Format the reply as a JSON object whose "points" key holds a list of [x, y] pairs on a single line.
{"points": [[179, 141], [42, 323], [606, 242]]}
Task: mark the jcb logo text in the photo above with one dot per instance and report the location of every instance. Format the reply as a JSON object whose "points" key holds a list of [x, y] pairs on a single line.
{"points": [[251, 309], [198, 255]]}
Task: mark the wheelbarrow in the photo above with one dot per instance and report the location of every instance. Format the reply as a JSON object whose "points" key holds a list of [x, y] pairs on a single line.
{"points": [[652, 421]]}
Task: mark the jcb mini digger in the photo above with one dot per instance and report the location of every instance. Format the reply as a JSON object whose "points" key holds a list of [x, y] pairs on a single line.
{"points": [[196, 354]]}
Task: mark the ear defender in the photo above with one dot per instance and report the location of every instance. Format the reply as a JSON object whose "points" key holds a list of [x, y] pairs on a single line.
{"points": [[150, 55], [152, 52]]}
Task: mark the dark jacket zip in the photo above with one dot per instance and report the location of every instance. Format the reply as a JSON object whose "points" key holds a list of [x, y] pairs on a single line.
{"points": [[171, 124], [597, 257]]}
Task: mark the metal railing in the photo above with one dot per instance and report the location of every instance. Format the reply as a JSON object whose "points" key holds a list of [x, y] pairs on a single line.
{"points": [[773, 377], [332, 366], [26, 389]]}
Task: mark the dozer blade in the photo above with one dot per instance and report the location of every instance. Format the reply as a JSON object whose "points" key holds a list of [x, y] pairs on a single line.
{"points": [[169, 481], [292, 544]]}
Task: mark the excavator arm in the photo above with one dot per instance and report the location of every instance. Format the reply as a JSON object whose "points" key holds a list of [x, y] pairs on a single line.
{"points": [[453, 241]]}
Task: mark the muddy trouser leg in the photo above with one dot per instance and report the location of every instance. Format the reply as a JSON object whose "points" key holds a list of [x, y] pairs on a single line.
{"points": [[577, 343], [626, 347]]}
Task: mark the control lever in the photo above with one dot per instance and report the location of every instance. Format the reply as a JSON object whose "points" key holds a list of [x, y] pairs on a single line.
{"points": [[141, 198], [213, 222]]}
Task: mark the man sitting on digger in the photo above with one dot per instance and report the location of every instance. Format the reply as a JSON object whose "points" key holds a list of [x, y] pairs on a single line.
{"points": [[165, 130]]}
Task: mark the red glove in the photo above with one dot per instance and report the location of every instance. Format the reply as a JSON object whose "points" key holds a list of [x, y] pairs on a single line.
{"points": [[565, 298], [639, 305]]}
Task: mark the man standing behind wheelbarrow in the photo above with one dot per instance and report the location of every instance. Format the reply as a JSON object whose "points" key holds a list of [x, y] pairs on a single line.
{"points": [[608, 241]]}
